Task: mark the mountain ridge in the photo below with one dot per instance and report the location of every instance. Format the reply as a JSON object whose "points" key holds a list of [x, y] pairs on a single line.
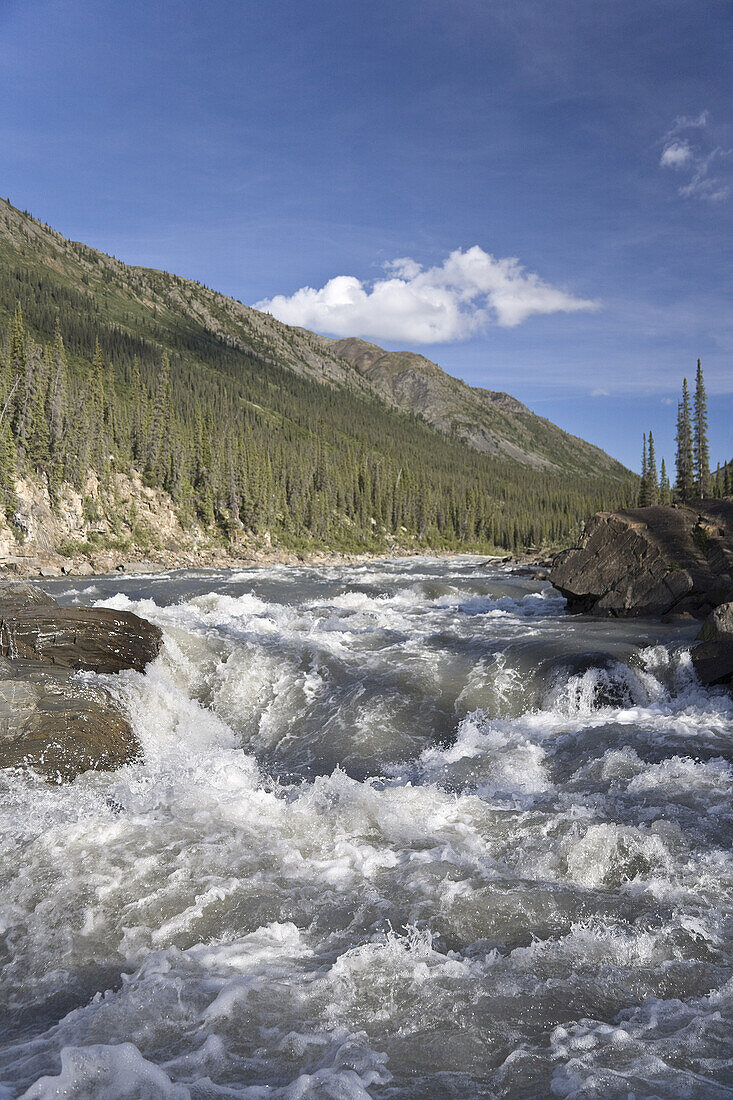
{"points": [[488, 421], [255, 433], [475, 414]]}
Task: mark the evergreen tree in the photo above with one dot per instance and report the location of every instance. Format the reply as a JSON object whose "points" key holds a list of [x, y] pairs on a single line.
{"points": [[651, 473], [684, 458], [665, 494], [159, 426], [18, 375], [644, 484], [56, 402], [701, 449], [36, 416]]}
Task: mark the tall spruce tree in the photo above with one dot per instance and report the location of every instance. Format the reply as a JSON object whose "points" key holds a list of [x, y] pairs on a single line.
{"points": [[644, 484], [664, 489], [684, 460], [651, 473], [701, 448]]}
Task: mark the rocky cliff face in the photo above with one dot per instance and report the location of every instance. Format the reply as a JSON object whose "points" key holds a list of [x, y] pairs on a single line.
{"points": [[650, 561], [108, 525]]}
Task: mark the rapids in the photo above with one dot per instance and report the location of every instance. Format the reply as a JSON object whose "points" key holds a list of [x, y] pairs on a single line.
{"points": [[401, 830]]}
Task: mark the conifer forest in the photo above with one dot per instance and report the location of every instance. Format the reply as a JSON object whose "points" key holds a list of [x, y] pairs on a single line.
{"points": [[96, 375], [693, 479]]}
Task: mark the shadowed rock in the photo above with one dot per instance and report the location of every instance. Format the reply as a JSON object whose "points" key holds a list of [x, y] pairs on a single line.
{"points": [[713, 658], [719, 624], [650, 561], [713, 661], [58, 725]]}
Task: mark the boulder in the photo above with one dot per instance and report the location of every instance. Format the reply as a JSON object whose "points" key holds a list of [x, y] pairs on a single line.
{"points": [[719, 624], [19, 595], [650, 561], [713, 657], [58, 725], [49, 719], [93, 638], [139, 568], [713, 661]]}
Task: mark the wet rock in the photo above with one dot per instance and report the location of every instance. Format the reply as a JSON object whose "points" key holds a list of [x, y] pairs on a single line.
{"points": [[713, 657], [20, 595], [713, 661], [588, 680], [93, 638], [49, 719], [650, 561], [58, 725], [719, 624]]}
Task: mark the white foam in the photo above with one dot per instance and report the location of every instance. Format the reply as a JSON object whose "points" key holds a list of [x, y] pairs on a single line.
{"points": [[495, 862]]}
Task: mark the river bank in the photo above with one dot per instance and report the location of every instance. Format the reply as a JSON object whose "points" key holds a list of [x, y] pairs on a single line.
{"points": [[104, 563]]}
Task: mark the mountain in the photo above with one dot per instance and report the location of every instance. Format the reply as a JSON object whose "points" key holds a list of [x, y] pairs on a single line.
{"points": [[255, 432], [486, 420], [143, 301]]}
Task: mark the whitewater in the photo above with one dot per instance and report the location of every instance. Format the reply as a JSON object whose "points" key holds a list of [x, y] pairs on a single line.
{"points": [[401, 829]]}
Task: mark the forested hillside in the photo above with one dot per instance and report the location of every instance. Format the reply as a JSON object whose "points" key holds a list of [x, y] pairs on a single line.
{"points": [[486, 420], [253, 428]]}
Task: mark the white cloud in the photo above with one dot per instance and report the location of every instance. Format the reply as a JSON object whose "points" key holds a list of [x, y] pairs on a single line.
{"points": [[705, 163], [687, 122], [600, 393], [676, 154], [440, 304]]}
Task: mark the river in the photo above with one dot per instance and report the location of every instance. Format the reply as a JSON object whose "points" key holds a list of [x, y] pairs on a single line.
{"points": [[402, 829]]}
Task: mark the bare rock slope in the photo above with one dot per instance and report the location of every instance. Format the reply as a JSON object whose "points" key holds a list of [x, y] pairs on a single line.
{"points": [[487, 420]]}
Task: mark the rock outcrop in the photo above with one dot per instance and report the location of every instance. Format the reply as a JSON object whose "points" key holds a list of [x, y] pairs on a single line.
{"points": [[59, 726], [94, 639], [650, 561], [713, 657], [51, 720], [718, 625]]}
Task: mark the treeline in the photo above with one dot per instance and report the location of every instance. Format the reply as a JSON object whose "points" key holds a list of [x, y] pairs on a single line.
{"points": [[693, 477], [267, 451]]}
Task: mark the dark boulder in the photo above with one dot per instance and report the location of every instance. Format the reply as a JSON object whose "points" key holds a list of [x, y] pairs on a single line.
{"points": [[92, 638], [713, 661], [51, 720], [713, 657], [719, 624], [650, 561], [19, 596], [58, 726], [592, 680]]}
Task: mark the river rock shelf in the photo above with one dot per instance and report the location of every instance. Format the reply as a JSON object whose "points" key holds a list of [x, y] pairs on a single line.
{"points": [[50, 720]]}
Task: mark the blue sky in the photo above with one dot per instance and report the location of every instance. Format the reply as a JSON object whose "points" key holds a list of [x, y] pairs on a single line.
{"points": [[266, 147]]}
